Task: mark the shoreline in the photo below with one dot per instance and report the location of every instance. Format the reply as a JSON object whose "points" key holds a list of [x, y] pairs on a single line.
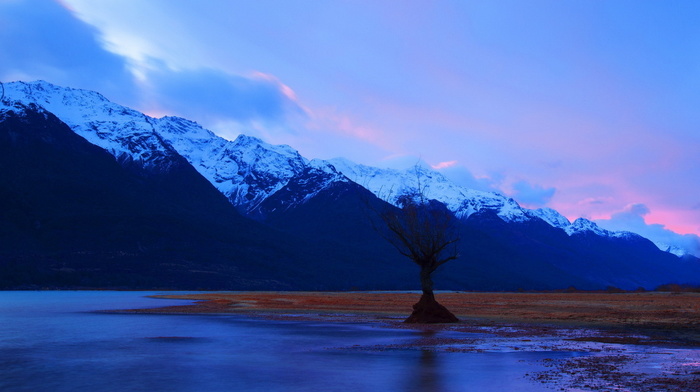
{"points": [[672, 316], [644, 342]]}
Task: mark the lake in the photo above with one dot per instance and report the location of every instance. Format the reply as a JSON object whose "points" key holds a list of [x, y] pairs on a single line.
{"points": [[54, 341]]}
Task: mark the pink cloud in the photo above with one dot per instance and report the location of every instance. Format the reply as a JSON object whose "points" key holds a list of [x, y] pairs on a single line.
{"points": [[330, 120], [637, 218], [679, 221], [609, 198], [284, 89], [443, 165]]}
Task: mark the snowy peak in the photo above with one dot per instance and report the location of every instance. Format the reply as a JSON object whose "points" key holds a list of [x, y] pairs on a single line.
{"points": [[254, 170], [390, 184], [553, 217], [268, 156], [246, 170], [183, 128], [46, 94], [582, 225], [125, 133]]}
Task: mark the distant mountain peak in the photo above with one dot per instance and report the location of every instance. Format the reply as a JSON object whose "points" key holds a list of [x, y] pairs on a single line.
{"points": [[583, 225], [551, 216], [390, 184], [281, 150]]}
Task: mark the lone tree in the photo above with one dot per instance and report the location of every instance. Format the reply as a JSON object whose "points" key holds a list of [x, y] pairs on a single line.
{"points": [[424, 231]]}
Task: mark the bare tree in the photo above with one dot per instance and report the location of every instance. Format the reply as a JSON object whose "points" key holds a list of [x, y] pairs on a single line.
{"points": [[424, 231]]}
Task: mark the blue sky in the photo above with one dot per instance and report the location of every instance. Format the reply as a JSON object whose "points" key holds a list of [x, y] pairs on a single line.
{"points": [[588, 107]]}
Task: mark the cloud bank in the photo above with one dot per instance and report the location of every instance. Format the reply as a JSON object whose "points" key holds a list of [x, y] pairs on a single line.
{"points": [[632, 219], [43, 40], [211, 96]]}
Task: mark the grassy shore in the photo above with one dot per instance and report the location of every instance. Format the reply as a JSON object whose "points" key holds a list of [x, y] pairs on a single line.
{"points": [[643, 310]]}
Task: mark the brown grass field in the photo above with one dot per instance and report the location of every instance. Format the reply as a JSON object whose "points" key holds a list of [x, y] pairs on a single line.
{"points": [[648, 309]]}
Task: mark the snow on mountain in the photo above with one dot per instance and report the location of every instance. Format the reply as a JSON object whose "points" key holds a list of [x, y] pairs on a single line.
{"points": [[680, 252], [125, 133], [249, 171], [389, 184], [246, 170], [582, 225], [551, 216]]}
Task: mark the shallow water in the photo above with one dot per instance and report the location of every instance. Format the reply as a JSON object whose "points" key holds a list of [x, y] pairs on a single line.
{"points": [[51, 341]]}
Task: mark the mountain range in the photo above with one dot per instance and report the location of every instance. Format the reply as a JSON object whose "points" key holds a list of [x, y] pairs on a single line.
{"points": [[99, 195]]}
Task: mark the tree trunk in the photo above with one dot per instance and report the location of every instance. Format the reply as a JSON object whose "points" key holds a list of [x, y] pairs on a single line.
{"points": [[427, 310], [426, 282]]}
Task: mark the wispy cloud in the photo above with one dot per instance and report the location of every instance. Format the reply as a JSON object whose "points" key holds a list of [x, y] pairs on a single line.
{"points": [[211, 96], [462, 176], [532, 195], [46, 40], [331, 121], [443, 165]]}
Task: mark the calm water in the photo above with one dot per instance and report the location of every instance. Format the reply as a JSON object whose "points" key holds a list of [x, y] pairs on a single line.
{"points": [[49, 341]]}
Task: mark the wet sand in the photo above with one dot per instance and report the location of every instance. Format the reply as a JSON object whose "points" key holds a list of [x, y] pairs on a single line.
{"points": [[638, 341]]}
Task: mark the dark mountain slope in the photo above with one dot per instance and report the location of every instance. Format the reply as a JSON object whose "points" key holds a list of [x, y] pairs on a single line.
{"points": [[72, 216], [495, 254], [534, 255], [338, 221]]}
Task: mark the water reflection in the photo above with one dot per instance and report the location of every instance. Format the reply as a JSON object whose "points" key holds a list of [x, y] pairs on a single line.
{"points": [[49, 343], [426, 374]]}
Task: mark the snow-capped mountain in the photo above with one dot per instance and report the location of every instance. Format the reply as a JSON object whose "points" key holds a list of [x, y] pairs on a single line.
{"points": [[551, 216], [126, 133], [316, 177], [249, 171], [389, 184], [582, 225], [246, 170], [675, 250]]}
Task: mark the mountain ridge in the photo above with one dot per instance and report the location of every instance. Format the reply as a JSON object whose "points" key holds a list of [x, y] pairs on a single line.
{"points": [[248, 170], [276, 219]]}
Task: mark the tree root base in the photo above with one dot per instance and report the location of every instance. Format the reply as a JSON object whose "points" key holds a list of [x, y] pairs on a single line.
{"points": [[429, 311]]}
